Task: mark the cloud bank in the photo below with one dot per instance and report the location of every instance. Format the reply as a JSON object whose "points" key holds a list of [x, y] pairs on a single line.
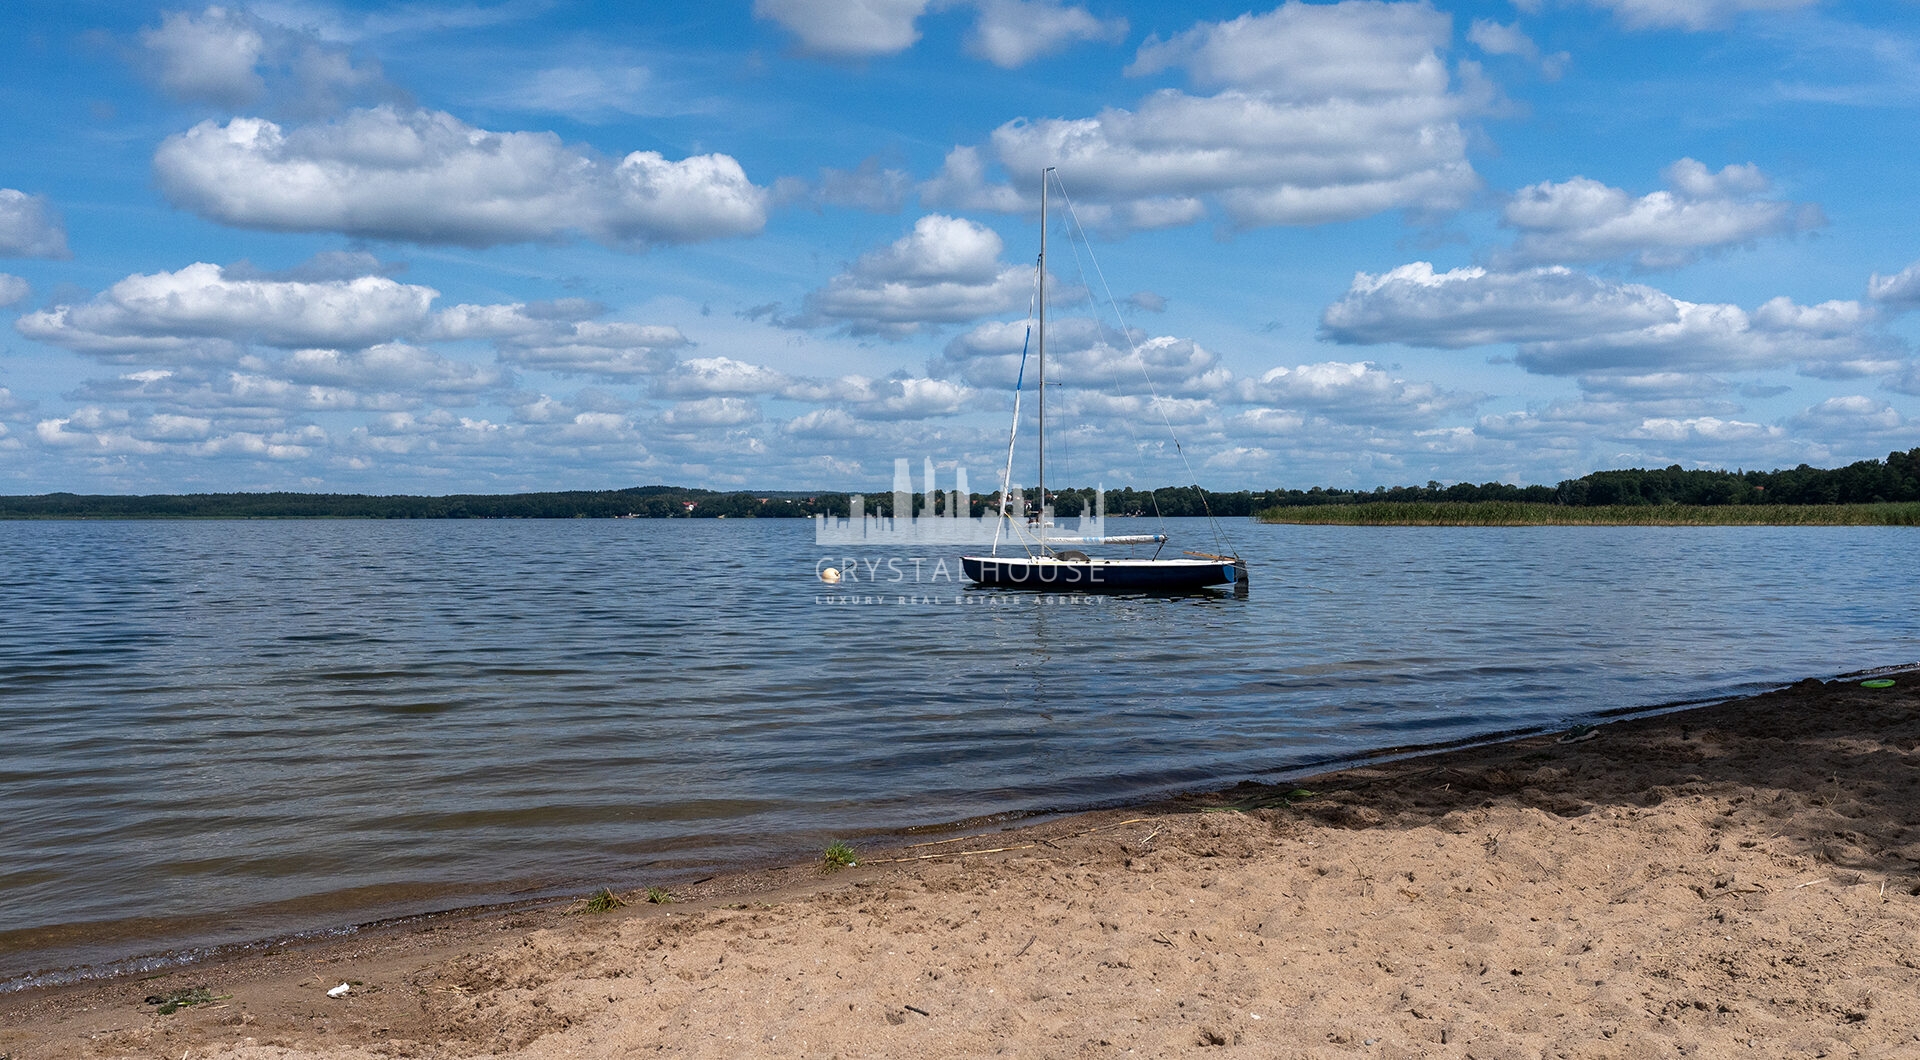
{"points": [[1320, 113]]}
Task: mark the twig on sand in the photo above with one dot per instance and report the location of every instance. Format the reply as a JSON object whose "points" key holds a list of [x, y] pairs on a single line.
{"points": [[1028, 946], [923, 1012], [939, 842], [1117, 824], [947, 854], [1809, 883]]}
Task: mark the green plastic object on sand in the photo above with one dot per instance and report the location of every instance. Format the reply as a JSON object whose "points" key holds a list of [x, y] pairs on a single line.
{"points": [[1878, 682]]}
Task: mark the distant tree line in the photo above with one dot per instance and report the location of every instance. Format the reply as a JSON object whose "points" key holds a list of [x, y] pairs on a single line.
{"points": [[645, 502], [1897, 478]]}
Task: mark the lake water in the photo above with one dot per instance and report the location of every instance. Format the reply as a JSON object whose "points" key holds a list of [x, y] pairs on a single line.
{"points": [[214, 731]]}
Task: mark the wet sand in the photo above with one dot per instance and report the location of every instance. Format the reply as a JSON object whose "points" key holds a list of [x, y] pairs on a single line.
{"points": [[1733, 880]]}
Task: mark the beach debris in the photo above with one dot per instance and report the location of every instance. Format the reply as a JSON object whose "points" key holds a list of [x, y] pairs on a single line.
{"points": [[1878, 682], [837, 856], [1265, 801], [1579, 733], [340, 991], [923, 1012], [175, 1000]]}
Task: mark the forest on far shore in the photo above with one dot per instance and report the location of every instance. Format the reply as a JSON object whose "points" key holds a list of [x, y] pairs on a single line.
{"points": [[1895, 479]]}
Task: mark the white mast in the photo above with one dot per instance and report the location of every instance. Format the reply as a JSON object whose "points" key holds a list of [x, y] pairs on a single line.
{"points": [[1042, 350]]}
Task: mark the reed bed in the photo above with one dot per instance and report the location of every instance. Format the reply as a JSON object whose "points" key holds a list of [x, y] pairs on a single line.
{"points": [[1514, 513]]}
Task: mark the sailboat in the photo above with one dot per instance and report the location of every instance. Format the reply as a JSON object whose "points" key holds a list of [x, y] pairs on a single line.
{"points": [[1042, 562]]}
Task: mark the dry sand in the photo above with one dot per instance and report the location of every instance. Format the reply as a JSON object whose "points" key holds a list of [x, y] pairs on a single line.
{"points": [[1737, 880]]}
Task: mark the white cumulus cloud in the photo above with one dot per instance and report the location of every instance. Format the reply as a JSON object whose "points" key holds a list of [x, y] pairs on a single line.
{"points": [[947, 270], [1584, 220], [390, 365], [1473, 306], [1010, 33], [719, 377], [1690, 14], [911, 398], [1357, 392], [1703, 429], [233, 57], [1084, 355], [172, 310], [1568, 323], [1852, 414], [1498, 38], [28, 227], [1901, 290], [712, 412], [425, 176], [847, 29], [209, 57], [1358, 49], [607, 349], [560, 336], [1007, 33], [1715, 336]]}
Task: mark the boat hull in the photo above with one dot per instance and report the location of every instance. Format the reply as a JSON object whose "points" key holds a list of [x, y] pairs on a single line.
{"points": [[1101, 575]]}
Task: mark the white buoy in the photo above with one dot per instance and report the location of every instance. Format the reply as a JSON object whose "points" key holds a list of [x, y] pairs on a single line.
{"points": [[831, 575]]}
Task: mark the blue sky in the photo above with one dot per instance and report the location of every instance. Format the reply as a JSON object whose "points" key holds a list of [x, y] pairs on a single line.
{"points": [[538, 244]]}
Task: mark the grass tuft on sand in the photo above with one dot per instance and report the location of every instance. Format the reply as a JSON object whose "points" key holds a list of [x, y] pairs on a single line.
{"points": [[837, 856], [602, 901]]}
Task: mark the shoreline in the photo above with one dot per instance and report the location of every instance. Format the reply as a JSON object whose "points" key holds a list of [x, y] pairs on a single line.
{"points": [[1747, 808], [211, 945], [1513, 513]]}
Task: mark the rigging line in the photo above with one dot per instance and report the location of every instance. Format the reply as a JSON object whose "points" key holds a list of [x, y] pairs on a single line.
{"points": [[1160, 404], [1153, 493], [1219, 534]]}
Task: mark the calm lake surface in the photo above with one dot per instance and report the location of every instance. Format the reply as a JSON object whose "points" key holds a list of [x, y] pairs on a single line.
{"points": [[215, 731]]}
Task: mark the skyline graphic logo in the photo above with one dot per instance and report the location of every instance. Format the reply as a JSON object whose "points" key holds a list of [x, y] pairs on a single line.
{"points": [[944, 517]]}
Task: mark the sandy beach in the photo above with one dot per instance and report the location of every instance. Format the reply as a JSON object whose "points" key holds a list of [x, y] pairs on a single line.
{"points": [[1733, 880]]}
